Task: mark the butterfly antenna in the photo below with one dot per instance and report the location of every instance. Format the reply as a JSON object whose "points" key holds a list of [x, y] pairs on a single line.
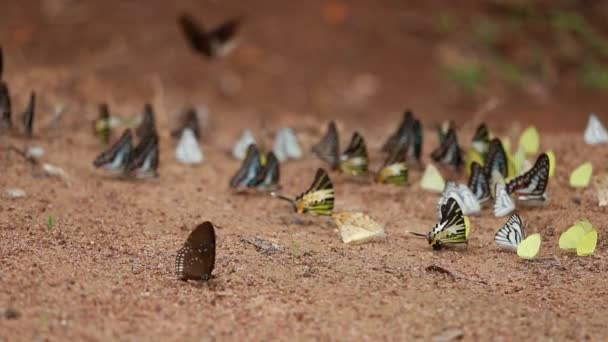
{"points": [[418, 234]]}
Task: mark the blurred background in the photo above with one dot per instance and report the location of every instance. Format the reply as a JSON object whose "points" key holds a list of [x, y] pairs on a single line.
{"points": [[544, 62]]}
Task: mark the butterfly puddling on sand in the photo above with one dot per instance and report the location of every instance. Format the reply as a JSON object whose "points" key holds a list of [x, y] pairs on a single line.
{"points": [[467, 201], [395, 169], [479, 184], [257, 173], [217, 42], [28, 116], [512, 236], [530, 188], [317, 200], [407, 137], [196, 259], [453, 227], [353, 161], [449, 152]]}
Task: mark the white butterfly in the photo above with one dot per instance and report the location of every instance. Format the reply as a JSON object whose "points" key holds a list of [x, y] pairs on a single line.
{"points": [[503, 203], [466, 199], [595, 133], [511, 234], [286, 145], [188, 151], [240, 148]]}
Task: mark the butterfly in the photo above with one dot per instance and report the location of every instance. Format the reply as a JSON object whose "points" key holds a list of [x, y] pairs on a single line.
{"points": [[581, 176], [28, 115], [188, 151], [529, 247], [317, 200], [503, 203], [395, 170], [496, 159], [268, 179], [189, 119], [449, 152], [5, 107], [595, 133], [463, 195], [401, 136], [254, 174], [217, 42], [196, 259], [529, 140], [329, 147], [103, 127], [354, 160], [511, 234], [481, 139], [432, 180], [148, 123], [479, 184], [444, 129], [286, 145], [453, 227], [144, 160], [531, 187], [582, 237], [239, 151], [116, 157]]}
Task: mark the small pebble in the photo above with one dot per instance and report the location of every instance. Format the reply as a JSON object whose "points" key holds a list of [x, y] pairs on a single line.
{"points": [[15, 193]]}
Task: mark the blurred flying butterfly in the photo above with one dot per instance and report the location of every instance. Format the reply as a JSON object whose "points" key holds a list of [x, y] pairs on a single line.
{"points": [[28, 115], [354, 160], [5, 108], [511, 234], [449, 152], [329, 147], [317, 200], [530, 188], [148, 123], [479, 184], [496, 159], [217, 42], [481, 139], [247, 175], [116, 157], [196, 259], [144, 159], [453, 227], [463, 195], [395, 170], [103, 127]]}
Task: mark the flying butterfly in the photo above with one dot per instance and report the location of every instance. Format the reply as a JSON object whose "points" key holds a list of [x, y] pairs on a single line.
{"points": [[354, 160], [453, 227], [148, 123], [317, 200], [395, 170], [496, 159], [214, 43], [449, 152], [144, 160], [530, 188], [103, 126], [479, 184], [481, 139], [329, 147], [5, 107], [196, 259], [28, 115], [512, 233], [116, 157]]}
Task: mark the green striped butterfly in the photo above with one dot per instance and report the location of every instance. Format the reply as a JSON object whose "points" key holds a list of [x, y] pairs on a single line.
{"points": [[354, 160], [395, 170], [103, 127], [408, 135], [317, 200], [453, 227]]}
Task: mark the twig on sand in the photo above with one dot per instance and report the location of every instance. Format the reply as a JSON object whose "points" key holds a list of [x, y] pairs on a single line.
{"points": [[452, 274]]}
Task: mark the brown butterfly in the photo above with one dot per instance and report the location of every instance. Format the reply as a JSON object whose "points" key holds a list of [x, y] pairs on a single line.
{"points": [[196, 259], [148, 123], [217, 42]]}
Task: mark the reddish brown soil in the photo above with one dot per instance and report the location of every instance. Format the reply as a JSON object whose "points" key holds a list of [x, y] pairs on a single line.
{"points": [[105, 272]]}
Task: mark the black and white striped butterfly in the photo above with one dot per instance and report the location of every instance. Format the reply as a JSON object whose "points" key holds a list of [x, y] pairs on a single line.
{"points": [[530, 188], [479, 183], [28, 115], [217, 42], [449, 152], [453, 227], [512, 233], [116, 157], [196, 259]]}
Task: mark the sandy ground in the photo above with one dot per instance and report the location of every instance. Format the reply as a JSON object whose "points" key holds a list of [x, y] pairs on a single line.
{"points": [[105, 272]]}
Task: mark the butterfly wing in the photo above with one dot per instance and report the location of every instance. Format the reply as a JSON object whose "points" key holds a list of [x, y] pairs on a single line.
{"points": [[196, 259], [195, 35], [144, 159], [395, 170], [148, 123], [496, 160], [328, 148], [268, 179], [28, 115], [452, 228], [481, 139], [247, 175], [354, 160], [479, 184], [319, 198], [415, 143], [511, 234], [503, 203], [532, 184], [102, 127], [226, 32], [449, 152], [116, 157], [401, 135], [5, 107]]}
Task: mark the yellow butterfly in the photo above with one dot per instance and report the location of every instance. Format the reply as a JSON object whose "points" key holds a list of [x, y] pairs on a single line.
{"points": [[529, 140], [317, 200], [581, 176], [529, 247], [432, 179], [552, 161], [582, 237]]}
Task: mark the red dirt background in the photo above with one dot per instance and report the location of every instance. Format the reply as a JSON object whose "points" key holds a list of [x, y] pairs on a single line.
{"points": [[106, 270]]}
